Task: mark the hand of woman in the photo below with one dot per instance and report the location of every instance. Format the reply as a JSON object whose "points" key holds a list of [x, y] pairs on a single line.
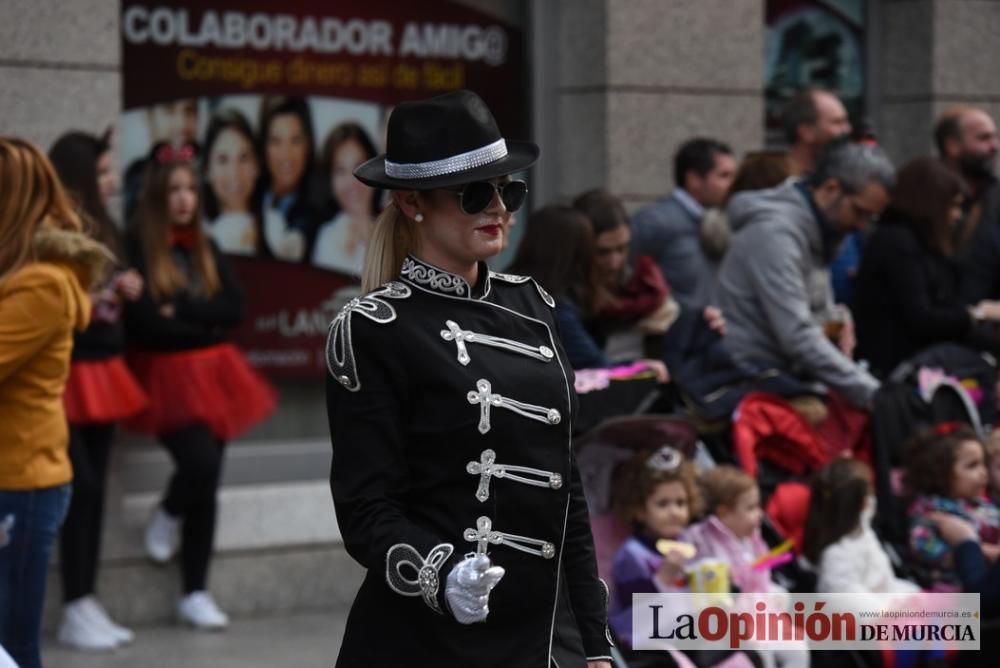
{"points": [[952, 528], [292, 247], [598, 664], [129, 285], [659, 369], [988, 310], [715, 320], [468, 588], [168, 310], [991, 552]]}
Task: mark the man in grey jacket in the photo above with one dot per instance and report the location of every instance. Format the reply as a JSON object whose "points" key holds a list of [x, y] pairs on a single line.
{"points": [[774, 284], [669, 229]]}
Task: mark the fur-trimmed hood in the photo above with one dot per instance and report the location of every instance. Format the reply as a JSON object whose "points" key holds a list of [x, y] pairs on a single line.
{"points": [[90, 260]]}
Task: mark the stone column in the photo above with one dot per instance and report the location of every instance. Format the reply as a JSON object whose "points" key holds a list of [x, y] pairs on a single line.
{"points": [[934, 54], [59, 63], [635, 78]]}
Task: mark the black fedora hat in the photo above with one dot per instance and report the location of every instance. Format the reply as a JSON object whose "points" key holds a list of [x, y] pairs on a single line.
{"points": [[444, 141]]}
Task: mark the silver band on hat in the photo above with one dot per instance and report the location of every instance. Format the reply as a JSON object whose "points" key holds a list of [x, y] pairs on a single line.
{"points": [[456, 163]]}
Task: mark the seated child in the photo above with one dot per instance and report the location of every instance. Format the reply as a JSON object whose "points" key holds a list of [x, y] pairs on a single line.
{"points": [[946, 472], [658, 495], [731, 531], [839, 540]]}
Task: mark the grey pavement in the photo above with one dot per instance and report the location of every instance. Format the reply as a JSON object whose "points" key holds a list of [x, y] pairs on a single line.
{"points": [[302, 640]]}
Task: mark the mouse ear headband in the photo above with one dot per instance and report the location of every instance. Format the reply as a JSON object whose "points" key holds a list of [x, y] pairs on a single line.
{"points": [[167, 154], [666, 459]]}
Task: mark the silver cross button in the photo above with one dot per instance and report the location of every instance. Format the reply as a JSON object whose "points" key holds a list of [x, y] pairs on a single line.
{"points": [[485, 398], [456, 334], [483, 534], [484, 469]]}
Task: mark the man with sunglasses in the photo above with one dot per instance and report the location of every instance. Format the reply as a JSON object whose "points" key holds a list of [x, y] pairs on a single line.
{"points": [[774, 283]]}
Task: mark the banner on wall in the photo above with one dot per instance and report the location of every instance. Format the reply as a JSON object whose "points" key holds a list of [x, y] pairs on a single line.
{"points": [[283, 99], [814, 43]]}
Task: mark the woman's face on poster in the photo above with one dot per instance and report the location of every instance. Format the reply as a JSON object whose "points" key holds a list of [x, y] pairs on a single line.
{"points": [[174, 122], [353, 196], [232, 170], [287, 152]]}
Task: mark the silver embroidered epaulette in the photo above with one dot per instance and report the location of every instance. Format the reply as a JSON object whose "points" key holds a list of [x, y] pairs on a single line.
{"points": [[517, 280], [339, 347]]}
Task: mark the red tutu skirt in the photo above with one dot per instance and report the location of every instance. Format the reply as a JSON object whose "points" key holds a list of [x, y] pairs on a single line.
{"points": [[214, 386], [102, 391]]}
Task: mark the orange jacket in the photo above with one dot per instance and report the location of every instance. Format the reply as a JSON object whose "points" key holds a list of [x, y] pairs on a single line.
{"points": [[40, 306]]}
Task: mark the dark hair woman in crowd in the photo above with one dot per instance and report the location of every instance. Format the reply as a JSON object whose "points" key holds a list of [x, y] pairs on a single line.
{"points": [[442, 375], [907, 289], [100, 392], [229, 172], [639, 298], [202, 392], [285, 147], [557, 250], [757, 170], [47, 265], [341, 241]]}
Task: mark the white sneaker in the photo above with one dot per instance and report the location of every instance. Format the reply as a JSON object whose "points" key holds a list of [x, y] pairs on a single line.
{"points": [[200, 611], [78, 629], [100, 617], [162, 536]]}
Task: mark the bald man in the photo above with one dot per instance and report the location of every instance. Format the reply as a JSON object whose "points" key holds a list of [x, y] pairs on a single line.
{"points": [[811, 120], [967, 142]]}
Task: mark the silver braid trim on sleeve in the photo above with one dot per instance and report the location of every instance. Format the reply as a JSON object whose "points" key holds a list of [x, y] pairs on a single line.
{"points": [[427, 582]]}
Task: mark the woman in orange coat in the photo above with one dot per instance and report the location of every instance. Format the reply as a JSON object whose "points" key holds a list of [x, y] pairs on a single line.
{"points": [[46, 267]]}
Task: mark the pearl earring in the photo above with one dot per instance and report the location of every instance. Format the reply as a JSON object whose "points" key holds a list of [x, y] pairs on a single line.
{"points": [[419, 217]]}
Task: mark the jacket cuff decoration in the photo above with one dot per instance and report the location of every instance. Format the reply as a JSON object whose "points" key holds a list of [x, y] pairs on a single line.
{"points": [[427, 581]]}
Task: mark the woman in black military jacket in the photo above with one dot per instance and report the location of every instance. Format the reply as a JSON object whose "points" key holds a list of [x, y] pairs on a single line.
{"points": [[451, 404]]}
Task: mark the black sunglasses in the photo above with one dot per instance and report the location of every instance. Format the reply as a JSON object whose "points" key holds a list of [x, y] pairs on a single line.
{"points": [[476, 196]]}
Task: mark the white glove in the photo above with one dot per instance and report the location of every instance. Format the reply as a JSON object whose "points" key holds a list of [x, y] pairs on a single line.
{"points": [[467, 590]]}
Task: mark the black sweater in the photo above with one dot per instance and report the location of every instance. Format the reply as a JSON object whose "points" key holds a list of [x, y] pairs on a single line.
{"points": [[906, 298], [198, 322], [99, 341]]}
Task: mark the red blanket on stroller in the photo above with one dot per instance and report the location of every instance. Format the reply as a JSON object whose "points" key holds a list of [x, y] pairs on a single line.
{"points": [[766, 427]]}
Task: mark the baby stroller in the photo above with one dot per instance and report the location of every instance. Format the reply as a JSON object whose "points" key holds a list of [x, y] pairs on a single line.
{"points": [[931, 388], [603, 450]]}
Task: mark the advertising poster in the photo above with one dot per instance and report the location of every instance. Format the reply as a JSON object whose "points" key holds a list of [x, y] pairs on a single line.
{"points": [[814, 43], [282, 100]]}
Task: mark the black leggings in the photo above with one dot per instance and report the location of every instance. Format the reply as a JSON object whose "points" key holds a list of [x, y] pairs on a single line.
{"points": [[80, 539], [191, 496]]}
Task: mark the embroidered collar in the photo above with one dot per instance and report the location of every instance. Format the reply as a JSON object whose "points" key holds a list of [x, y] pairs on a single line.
{"points": [[443, 282]]}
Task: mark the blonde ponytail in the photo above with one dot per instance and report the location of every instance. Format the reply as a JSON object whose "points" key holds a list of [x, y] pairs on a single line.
{"points": [[393, 238]]}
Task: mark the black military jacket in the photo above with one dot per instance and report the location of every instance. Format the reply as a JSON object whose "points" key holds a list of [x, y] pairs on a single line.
{"points": [[450, 411]]}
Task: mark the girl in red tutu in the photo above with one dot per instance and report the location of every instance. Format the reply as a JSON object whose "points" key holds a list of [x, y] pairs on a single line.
{"points": [[99, 393], [202, 392]]}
